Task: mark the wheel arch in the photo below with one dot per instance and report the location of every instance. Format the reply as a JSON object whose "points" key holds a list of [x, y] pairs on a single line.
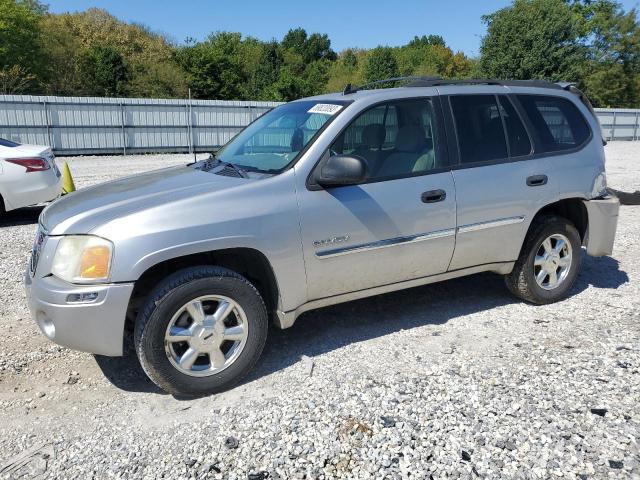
{"points": [[573, 209], [249, 262]]}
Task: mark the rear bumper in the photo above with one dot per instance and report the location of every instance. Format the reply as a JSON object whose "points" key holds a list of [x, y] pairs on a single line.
{"points": [[96, 327], [603, 222], [41, 187]]}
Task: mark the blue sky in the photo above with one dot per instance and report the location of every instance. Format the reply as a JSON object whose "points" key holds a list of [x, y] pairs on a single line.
{"points": [[349, 23]]}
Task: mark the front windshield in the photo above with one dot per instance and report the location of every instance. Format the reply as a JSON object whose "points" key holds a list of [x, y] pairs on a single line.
{"points": [[275, 140]]}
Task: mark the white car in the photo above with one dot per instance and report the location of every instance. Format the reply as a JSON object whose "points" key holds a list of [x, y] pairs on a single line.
{"points": [[28, 175]]}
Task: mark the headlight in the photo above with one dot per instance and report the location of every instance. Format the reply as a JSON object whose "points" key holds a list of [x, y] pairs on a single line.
{"points": [[83, 259]]}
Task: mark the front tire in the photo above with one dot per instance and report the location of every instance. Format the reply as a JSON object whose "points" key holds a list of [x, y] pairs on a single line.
{"points": [[549, 261], [200, 331]]}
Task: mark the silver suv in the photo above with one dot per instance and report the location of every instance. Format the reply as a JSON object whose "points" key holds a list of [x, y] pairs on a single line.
{"points": [[321, 201]]}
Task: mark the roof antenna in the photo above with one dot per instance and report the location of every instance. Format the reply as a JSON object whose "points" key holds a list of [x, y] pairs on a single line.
{"points": [[349, 89]]}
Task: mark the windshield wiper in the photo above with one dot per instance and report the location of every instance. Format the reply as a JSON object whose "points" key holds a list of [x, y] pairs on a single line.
{"points": [[214, 161], [240, 171]]}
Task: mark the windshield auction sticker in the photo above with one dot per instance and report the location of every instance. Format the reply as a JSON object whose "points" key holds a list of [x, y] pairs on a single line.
{"points": [[325, 109]]}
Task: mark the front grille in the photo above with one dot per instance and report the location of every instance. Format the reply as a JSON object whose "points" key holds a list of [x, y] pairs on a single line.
{"points": [[37, 249]]}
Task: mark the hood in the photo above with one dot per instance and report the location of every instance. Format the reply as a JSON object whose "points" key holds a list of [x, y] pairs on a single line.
{"points": [[82, 211]]}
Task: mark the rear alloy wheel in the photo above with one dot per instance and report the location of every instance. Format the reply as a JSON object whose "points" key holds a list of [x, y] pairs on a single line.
{"points": [[549, 262], [200, 331], [552, 262]]}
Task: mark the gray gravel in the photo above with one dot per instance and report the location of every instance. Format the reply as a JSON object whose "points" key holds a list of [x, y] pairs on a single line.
{"points": [[453, 380]]}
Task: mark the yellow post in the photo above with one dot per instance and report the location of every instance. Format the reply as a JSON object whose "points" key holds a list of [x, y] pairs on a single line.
{"points": [[67, 180]]}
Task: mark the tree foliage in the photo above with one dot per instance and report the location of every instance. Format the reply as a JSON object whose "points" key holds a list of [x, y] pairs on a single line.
{"points": [[532, 39], [21, 55], [595, 43], [381, 64]]}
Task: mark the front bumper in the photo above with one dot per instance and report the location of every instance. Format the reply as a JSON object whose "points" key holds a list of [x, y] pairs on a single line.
{"points": [[603, 222], [95, 327]]}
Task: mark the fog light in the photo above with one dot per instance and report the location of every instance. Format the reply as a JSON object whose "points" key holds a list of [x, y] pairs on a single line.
{"points": [[82, 297], [46, 325]]}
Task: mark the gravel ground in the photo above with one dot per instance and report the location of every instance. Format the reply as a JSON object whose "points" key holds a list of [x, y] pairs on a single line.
{"points": [[453, 380]]}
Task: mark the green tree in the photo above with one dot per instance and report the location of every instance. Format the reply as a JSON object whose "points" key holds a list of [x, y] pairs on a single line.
{"points": [[21, 53], [613, 37], [104, 72], [381, 64], [150, 59], [310, 47], [295, 40], [267, 72], [427, 41], [349, 58], [533, 39], [214, 67]]}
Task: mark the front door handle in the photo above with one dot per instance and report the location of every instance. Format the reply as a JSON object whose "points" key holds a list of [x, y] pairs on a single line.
{"points": [[433, 196], [537, 180]]}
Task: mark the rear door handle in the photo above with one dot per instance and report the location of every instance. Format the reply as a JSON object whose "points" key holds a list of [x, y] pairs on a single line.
{"points": [[537, 180], [433, 196]]}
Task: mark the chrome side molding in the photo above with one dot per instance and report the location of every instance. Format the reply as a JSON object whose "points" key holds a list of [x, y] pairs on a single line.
{"points": [[390, 242], [501, 222]]}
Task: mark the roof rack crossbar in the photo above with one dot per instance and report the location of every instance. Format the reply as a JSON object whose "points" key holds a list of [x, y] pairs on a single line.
{"points": [[440, 82], [353, 89]]}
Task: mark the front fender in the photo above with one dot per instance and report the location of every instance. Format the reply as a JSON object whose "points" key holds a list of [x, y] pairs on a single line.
{"points": [[188, 248]]}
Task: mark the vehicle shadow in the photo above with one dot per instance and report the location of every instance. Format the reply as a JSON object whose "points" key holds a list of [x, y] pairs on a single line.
{"points": [[330, 328], [21, 216]]}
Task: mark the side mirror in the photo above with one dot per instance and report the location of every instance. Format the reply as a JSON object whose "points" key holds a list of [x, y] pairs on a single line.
{"points": [[341, 170]]}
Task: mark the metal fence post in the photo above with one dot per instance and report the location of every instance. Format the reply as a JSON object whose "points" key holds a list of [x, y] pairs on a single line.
{"points": [[48, 123], [124, 133], [635, 128], [613, 127], [190, 138]]}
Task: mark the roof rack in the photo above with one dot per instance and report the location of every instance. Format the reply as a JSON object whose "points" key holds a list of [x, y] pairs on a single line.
{"points": [[440, 82], [353, 89], [476, 81]]}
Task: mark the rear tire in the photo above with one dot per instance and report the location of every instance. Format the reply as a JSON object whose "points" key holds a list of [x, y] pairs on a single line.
{"points": [[549, 261], [200, 331]]}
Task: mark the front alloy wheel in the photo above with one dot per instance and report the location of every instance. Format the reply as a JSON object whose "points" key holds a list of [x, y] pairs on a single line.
{"points": [[200, 331], [206, 335]]}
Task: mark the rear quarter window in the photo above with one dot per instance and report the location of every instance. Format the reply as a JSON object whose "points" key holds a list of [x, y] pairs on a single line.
{"points": [[558, 123]]}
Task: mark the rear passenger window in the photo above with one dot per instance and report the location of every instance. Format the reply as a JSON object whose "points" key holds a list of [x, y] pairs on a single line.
{"points": [[558, 122], [479, 128], [519, 143]]}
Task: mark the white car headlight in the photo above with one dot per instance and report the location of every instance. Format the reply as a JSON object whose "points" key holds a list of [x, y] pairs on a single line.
{"points": [[83, 259]]}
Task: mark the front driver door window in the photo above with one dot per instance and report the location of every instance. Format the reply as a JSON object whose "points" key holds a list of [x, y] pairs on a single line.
{"points": [[396, 139], [390, 229]]}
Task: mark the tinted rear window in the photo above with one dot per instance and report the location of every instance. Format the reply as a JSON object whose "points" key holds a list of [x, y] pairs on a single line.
{"points": [[519, 144], [8, 143], [479, 128], [558, 122]]}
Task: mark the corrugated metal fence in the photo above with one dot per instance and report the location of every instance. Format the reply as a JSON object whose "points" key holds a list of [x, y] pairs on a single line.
{"points": [[84, 125], [619, 123]]}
